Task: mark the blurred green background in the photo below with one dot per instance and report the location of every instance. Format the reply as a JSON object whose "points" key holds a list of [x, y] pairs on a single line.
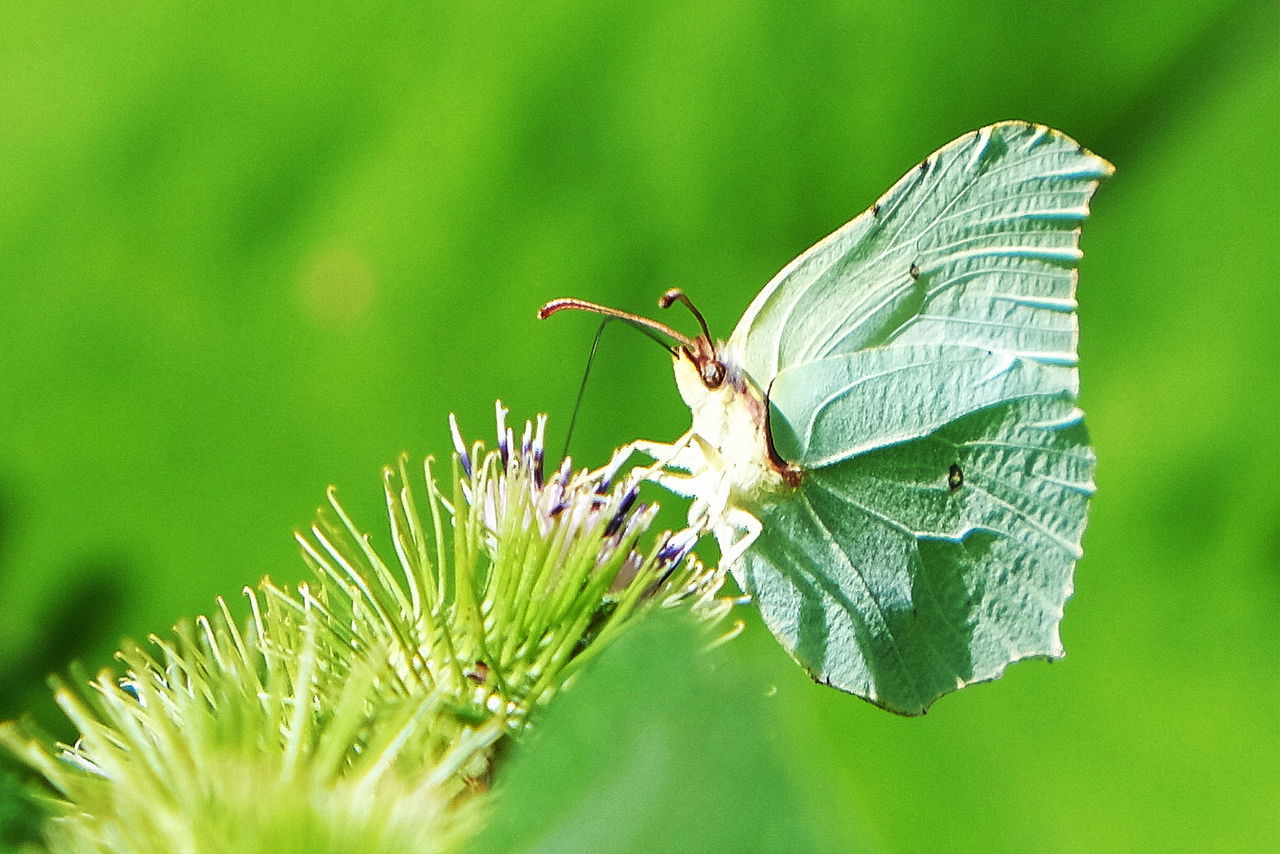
{"points": [[245, 254]]}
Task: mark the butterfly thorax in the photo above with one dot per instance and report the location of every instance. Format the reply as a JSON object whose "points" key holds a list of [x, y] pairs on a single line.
{"points": [[730, 424]]}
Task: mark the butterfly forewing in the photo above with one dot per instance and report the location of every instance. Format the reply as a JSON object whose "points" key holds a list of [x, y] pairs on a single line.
{"points": [[977, 246]]}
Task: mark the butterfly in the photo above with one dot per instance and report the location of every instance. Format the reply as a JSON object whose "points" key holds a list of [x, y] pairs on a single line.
{"points": [[888, 448]]}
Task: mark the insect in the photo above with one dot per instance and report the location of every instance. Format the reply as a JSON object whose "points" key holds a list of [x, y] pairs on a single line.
{"points": [[888, 448]]}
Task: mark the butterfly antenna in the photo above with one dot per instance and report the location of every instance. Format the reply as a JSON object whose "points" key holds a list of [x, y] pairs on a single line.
{"points": [[675, 295], [644, 324], [582, 386], [591, 358]]}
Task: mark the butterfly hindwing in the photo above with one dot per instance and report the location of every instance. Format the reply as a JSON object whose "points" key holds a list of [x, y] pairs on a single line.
{"points": [[909, 571]]}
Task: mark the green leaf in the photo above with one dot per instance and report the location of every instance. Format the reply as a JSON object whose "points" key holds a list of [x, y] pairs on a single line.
{"points": [[658, 748]]}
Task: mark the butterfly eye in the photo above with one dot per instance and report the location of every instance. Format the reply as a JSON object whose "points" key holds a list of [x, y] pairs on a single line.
{"points": [[712, 373]]}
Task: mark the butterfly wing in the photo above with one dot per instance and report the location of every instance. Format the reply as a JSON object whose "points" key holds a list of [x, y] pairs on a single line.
{"points": [[909, 570], [836, 408], [920, 367], [977, 245]]}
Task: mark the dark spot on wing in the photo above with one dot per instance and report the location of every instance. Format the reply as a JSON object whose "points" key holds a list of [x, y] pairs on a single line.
{"points": [[875, 209], [924, 165], [955, 478], [914, 271]]}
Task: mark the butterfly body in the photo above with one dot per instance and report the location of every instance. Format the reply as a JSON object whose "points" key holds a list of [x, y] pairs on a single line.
{"points": [[731, 418]]}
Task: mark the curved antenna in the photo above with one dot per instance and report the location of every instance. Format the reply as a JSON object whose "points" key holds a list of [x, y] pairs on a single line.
{"points": [[675, 295], [582, 386], [642, 323], [610, 315]]}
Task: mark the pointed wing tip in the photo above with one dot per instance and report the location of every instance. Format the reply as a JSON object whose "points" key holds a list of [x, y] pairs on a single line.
{"points": [[1104, 167]]}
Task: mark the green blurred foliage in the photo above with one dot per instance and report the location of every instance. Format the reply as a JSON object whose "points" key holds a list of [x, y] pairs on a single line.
{"points": [[638, 757], [245, 253]]}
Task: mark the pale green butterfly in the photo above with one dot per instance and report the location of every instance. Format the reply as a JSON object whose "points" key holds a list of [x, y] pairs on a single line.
{"points": [[887, 448]]}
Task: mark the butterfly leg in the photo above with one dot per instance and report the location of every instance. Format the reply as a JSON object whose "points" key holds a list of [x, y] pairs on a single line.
{"points": [[657, 451], [712, 508], [696, 462], [678, 454], [703, 483], [748, 529], [683, 485]]}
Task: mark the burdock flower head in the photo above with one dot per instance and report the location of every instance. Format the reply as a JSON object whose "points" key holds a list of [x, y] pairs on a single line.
{"points": [[562, 563], [361, 710]]}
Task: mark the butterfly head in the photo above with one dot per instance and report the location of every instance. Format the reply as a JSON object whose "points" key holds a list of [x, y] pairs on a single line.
{"points": [[729, 412], [701, 376], [700, 350]]}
